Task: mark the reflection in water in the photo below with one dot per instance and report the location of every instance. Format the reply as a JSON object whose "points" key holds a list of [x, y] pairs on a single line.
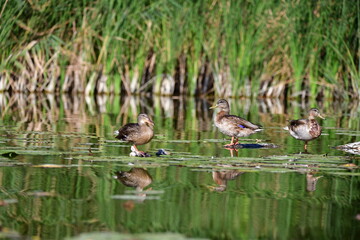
{"points": [[311, 181], [268, 199], [222, 177], [232, 151], [137, 178], [44, 108], [176, 118], [168, 105], [271, 105]]}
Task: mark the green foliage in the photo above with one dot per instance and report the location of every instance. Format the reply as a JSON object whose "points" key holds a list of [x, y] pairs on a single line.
{"points": [[306, 47]]}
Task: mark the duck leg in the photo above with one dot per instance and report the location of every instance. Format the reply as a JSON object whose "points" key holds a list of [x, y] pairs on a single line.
{"points": [[137, 152], [231, 144], [305, 146], [232, 152]]}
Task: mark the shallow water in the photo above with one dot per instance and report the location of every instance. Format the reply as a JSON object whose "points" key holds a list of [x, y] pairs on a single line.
{"points": [[60, 158]]}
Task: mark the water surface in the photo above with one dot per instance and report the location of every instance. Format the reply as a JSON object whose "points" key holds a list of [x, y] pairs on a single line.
{"points": [[59, 158]]}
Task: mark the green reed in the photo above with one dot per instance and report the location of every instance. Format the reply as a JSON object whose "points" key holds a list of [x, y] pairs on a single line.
{"points": [[226, 48]]}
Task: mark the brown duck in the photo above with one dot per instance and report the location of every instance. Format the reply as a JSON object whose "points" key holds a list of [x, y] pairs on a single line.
{"points": [[306, 129], [137, 133], [232, 125]]}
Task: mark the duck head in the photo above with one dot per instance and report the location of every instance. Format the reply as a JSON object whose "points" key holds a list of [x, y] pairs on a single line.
{"points": [[314, 112], [145, 119], [222, 104]]}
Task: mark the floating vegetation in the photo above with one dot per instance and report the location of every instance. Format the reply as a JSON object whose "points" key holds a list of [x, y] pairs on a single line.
{"points": [[41, 194], [276, 163], [137, 196], [119, 236], [61, 165], [6, 202]]}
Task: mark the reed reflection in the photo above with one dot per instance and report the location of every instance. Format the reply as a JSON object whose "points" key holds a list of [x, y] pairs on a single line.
{"points": [[171, 106], [175, 117]]}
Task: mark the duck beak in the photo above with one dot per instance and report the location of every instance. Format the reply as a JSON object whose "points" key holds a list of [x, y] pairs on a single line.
{"points": [[151, 122], [322, 117], [212, 107]]}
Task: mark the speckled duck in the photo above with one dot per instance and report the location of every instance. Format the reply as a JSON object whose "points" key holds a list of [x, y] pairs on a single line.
{"points": [[137, 133], [232, 125], [306, 129]]}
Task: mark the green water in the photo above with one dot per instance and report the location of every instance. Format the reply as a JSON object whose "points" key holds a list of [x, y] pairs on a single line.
{"points": [[59, 159]]}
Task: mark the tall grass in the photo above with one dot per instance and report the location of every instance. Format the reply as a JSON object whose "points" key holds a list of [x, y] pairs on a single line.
{"points": [[227, 48]]}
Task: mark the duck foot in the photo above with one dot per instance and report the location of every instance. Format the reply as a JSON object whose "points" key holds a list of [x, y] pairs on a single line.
{"points": [[220, 188], [230, 146], [231, 149], [139, 154], [136, 153]]}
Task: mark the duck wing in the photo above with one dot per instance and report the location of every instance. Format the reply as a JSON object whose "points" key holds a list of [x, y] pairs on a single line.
{"points": [[296, 123], [240, 122], [128, 132]]}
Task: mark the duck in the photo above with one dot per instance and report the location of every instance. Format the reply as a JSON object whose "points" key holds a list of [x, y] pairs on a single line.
{"points": [[306, 129], [221, 178], [137, 133], [232, 125]]}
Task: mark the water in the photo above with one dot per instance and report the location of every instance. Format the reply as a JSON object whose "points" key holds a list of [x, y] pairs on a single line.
{"points": [[60, 158]]}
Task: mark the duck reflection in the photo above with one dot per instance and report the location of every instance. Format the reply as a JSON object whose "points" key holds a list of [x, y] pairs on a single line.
{"points": [[311, 181], [233, 152], [137, 178], [222, 177]]}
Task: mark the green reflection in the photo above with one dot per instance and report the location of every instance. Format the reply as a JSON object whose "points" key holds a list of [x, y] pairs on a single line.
{"points": [[59, 158]]}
